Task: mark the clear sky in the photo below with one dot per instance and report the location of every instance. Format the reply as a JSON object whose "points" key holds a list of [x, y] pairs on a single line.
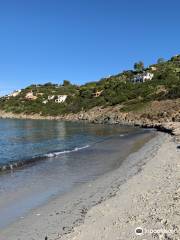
{"points": [[82, 40]]}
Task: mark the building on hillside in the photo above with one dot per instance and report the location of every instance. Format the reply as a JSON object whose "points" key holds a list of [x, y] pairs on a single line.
{"points": [[15, 93], [30, 96], [153, 68], [51, 97], [45, 101], [98, 93], [142, 77], [40, 94], [61, 98]]}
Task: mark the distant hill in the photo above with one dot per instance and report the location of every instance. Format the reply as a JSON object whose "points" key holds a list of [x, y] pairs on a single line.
{"points": [[130, 89]]}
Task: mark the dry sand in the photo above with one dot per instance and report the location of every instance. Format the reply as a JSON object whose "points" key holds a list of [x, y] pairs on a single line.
{"points": [[149, 200], [143, 192]]}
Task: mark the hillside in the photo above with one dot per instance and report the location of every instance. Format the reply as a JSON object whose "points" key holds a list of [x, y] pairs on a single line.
{"points": [[132, 91]]}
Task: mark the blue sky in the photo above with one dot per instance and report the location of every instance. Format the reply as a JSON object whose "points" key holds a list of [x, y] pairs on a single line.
{"points": [[82, 40]]}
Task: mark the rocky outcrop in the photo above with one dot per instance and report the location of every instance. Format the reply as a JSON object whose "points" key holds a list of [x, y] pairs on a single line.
{"points": [[164, 116]]}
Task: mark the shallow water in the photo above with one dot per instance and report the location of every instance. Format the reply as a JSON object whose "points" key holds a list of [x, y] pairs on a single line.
{"points": [[22, 140], [71, 154]]}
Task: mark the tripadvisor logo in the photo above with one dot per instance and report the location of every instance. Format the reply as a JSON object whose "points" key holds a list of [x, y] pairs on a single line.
{"points": [[139, 231]]}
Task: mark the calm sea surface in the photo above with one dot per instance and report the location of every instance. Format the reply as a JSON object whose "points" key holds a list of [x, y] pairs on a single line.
{"points": [[21, 140], [54, 157]]}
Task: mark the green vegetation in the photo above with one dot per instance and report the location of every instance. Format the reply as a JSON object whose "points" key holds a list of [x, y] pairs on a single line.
{"points": [[139, 66], [117, 89], [160, 60]]}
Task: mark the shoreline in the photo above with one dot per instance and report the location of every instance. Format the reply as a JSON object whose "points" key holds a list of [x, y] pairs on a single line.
{"points": [[30, 161], [47, 220], [72, 208], [110, 115], [149, 201]]}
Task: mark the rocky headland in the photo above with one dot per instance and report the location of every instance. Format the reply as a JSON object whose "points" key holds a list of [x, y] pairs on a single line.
{"points": [[162, 115]]}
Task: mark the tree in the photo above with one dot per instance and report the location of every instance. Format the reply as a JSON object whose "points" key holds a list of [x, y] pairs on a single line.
{"points": [[139, 66], [47, 84], [175, 58], [160, 60], [66, 83]]}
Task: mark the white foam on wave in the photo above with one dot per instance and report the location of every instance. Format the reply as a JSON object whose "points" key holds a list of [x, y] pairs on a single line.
{"points": [[55, 154], [13, 165]]}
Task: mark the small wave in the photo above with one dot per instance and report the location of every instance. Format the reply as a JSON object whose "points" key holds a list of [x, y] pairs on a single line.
{"points": [[18, 164], [55, 154]]}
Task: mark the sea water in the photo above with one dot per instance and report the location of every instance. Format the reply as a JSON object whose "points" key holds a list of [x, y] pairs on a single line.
{"points": [[40, 159]]}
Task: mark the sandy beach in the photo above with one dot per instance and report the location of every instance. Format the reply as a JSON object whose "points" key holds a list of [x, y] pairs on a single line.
{"points": [[149, 201], [89, 120], [143, 192]]}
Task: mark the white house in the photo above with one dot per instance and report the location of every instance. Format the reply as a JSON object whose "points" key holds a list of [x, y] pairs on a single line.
{"points": [[148, 76], [142, 77], [30, 96], [45, 102], [15, 93], [61, 98], [51, 97], [153, 68]]}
